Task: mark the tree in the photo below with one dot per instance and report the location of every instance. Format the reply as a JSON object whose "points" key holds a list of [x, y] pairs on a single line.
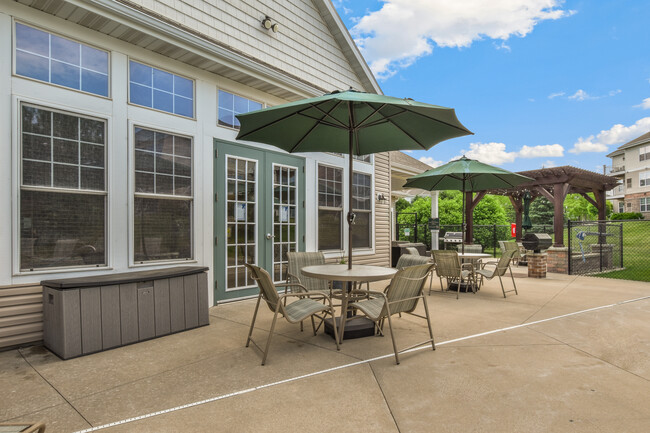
{"points": [[401, 204], [541, 212], [576, 207]]}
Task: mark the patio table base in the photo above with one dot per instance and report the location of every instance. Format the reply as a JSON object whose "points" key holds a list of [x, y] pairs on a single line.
{"points": [[464, 287], [355, 327]]}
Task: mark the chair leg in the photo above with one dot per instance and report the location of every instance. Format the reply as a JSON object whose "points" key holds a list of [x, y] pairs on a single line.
{"points": [[502, 288], [336, 335], [392, 337], [268, 342], [250, 332], [426, 313], [513, 281], [313, 324]]}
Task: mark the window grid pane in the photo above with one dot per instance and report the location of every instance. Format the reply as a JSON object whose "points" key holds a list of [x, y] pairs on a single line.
{"points": [[53, 59], [330, 211], [161, 90], [230, 105], [362, 206]]}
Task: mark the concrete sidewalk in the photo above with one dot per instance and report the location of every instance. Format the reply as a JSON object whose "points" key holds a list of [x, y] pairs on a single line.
{"points": [[553, 370]]}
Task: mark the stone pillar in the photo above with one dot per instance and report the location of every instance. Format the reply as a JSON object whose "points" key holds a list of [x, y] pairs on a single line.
{"points": [[558, 260], [536, 265], [434, 214]]}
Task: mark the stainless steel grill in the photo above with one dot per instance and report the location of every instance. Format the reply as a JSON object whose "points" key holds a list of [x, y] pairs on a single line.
{"points": [[453, 238]]}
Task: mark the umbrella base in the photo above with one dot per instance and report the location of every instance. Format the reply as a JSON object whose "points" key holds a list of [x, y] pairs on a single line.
{"points": [[464, 287], [355, 327]]}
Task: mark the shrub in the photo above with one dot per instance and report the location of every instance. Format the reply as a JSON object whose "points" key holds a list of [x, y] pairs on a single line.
{"points": [[627, 216]]}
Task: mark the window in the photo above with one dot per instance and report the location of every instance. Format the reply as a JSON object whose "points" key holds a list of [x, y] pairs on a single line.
{"points": [[230, 105], [644, 178], [161, 90], [645, 204], [53, 59], [621, 206], [330, 207], [363, 158], [63, 192], [644, 153], [362, 207], [163, 199], [628, 182]]}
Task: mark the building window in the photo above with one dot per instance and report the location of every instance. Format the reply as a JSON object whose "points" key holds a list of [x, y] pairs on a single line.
{"points": [[161, 90], [46, 57], [362, 207], [230, 105], [644, 153], [645, 204], [330, 208], [628, 182], [63, 191], [621, 207], [363, 158], [163, 201], [644, 178]]}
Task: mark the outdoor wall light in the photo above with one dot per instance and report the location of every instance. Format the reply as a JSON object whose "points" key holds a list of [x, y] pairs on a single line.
{"points": [[381, 198], [269, 25]]}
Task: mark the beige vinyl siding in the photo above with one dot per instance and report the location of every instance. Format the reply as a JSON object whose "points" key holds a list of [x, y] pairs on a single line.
{"points": [[303, 46], [21, 315]]}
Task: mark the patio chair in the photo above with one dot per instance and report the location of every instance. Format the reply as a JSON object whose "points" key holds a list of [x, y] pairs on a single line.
{"points": [[306, 305], [511, 246], [22, 427], [402, 296], [412, 250], [406, 260], [297, 261], [499, 270], [448, 266]]}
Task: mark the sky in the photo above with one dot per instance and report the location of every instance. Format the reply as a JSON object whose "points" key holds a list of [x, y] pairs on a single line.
{"points": [[541, 83]]}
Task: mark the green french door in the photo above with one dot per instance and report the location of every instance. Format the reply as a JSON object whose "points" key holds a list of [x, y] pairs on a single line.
{"points": [[259, 215]]}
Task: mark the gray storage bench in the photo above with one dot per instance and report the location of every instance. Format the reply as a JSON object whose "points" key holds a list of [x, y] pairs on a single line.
{"points": [[91, 314]]}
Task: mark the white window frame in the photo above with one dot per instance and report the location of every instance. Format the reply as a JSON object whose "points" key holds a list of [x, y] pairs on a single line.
{"points": [[13, 62], [644, 204], [644, 178], [151, 65], [371, 211], [132, 124], [343, 207], [17, 182]]}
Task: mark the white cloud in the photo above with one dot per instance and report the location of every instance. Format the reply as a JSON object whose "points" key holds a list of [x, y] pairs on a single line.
{"points": [[549, 164], [430, 161], [555, 95], [580, 95], [388, 44], [645, 104], [495, 153], [547, 150], [617, 134]]}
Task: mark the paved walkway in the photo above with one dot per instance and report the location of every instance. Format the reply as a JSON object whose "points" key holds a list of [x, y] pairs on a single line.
{"points": [[568, 354]]}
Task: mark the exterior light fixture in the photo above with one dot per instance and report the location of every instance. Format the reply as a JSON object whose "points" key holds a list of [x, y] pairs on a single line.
{"points": [[275, 27], [268, 24], [381, 198]]}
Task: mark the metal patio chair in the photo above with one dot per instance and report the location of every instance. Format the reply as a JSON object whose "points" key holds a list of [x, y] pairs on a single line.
{"points": [[448, 266], [401, 296], [305, 306], [412, 250], [22, 427], [499, 270]]}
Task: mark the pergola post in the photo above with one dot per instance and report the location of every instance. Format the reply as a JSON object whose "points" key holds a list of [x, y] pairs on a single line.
{"points": [[470, 204], [519, 210]]}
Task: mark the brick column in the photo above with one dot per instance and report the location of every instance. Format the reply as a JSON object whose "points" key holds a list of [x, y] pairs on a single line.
{"points": [[536, 265], [558, 260]]}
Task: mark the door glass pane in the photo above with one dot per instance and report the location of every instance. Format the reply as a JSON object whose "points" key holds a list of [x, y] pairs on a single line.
{"points": [[284, 231], [241, 196]]}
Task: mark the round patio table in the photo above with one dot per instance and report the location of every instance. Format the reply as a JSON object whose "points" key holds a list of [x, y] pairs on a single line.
{"points": [[469, 258], [358, 274]]}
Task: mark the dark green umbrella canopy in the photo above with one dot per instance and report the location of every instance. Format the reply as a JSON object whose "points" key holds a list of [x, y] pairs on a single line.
{"points": [[351, 122], [467, 175]]}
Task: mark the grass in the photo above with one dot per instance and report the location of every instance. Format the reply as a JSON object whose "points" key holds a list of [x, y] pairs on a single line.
{"points": [[636, 253]]}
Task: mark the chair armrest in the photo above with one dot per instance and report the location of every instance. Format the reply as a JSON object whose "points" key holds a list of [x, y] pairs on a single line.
{"points": [[293, 279], [465, 265], [367, 293], [292, 285], [305, 294]]}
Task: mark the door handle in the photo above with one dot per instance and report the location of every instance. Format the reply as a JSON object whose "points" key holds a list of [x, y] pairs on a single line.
{"points": [[269, 236]]}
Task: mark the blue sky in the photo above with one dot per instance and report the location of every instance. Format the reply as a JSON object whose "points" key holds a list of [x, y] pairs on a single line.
{"points": [[539, 82]]}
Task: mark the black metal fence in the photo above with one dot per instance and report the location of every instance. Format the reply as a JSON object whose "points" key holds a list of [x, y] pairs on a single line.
{"points": [[612, 249]]}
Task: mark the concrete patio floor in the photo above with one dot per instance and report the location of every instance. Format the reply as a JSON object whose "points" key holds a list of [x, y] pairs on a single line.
{"points": [[548, 366]]}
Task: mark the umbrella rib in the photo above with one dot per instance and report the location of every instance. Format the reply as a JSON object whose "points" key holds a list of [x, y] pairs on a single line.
{"points": [[407, 134], [318, 122], [327, 113], [376, 110], [439, 121]]}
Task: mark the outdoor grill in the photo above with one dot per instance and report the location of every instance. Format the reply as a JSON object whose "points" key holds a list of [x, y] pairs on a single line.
{"points": [[453, 238], [536, 241]]}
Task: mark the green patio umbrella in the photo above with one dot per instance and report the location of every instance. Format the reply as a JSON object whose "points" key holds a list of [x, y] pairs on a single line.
{"points": [[351, 122], [466, 175]]}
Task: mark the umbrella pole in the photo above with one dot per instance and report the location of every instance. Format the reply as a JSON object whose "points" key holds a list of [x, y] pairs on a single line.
{"points": [[462, 245], [350, 213]]}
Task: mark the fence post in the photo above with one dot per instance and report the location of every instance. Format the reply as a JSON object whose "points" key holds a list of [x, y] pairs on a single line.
{"points": [[494, 240], [570, 250], [621, 242]]}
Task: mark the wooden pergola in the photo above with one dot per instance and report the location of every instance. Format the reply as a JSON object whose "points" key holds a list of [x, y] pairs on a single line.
{"points": [[554, 184]]}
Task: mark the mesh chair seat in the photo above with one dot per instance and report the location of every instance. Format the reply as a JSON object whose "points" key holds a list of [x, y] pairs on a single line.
{"points": [[499, 270], [301, 309]]}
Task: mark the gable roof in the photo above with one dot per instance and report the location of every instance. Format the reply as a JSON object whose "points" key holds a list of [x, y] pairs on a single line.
{"points": [[645, 138]]}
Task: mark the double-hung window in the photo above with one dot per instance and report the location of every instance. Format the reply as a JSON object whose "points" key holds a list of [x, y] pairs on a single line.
{"points": [[644, 178], [161, 90], [46, 57], [330, 208], [230, 105], [163, 202], [645, 204], [644, 153], [362, 207], [63, 189]]}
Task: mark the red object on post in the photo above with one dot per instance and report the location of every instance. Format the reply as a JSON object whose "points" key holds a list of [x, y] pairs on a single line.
{"points": [[513, 230]]}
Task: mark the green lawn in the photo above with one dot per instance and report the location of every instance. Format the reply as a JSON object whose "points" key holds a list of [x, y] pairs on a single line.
{"points": [[636, 253]]}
